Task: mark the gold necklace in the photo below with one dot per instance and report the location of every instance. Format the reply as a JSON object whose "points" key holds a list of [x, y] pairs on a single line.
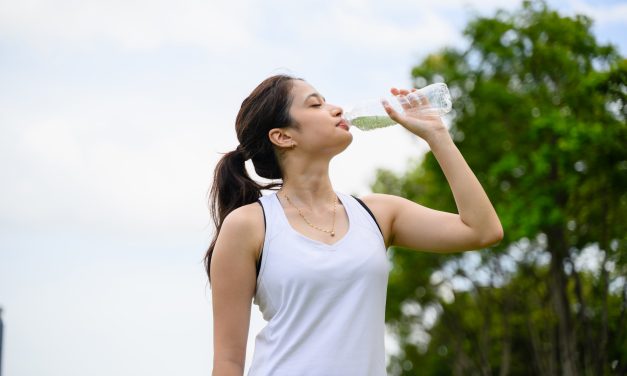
{"points": [[332, 231]]}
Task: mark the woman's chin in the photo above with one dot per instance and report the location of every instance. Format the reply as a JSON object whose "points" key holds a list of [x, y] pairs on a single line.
{"points": [[349, 140]]}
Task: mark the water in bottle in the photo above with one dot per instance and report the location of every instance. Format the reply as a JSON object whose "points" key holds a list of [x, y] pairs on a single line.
{"points": [[434, 99]]}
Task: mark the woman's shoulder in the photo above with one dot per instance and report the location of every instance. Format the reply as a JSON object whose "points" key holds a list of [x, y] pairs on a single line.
{"points": [[383, 207], [245, 227], [377, 199], [246, 217], [386, 205]]}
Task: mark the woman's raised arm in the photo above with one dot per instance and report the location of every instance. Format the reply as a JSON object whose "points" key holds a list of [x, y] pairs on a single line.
{"points": [[414, 226]]}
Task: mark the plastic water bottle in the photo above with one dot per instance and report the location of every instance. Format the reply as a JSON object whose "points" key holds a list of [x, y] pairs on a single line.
{"points": [[435, 99]]}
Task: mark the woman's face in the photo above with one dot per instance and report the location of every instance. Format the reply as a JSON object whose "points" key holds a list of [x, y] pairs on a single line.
{"points": [[321, 127]]}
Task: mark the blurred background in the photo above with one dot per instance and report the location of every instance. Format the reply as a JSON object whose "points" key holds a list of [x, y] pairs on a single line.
{"points": [[113, 115]]}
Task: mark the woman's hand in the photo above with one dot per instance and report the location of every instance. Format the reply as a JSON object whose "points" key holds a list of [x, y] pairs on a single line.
{"points": [[416, 116]]}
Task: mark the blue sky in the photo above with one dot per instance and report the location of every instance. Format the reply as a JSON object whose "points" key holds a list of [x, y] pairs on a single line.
{"points": [[113, 115]]}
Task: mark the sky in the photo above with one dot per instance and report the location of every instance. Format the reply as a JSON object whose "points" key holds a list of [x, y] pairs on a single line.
{"points": [[112, 117]]}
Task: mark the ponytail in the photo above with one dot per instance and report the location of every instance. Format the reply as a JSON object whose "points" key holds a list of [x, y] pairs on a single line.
{"points": [[267, 107], [232, 187]]}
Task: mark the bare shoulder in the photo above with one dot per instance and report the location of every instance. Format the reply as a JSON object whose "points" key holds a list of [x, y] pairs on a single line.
{"points": [[383, 207], [244, 229], [247, 215], [376, 198], [382, 204]]}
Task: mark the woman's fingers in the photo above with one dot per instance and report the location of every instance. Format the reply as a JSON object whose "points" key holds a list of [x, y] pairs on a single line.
{"points": [[418, 99], [414, 99], [408, 99], [403, 101], [396, 91], [399, 94], [394, 115]]}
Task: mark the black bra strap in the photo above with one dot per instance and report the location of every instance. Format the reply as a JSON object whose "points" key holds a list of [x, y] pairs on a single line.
{"points": [[264, 227], [369, 212]]}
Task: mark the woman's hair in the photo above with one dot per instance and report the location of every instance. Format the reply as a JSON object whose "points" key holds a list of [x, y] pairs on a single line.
{"points": [[267, 107]]}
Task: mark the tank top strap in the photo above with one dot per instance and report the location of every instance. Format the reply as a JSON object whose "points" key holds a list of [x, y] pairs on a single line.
{"points": [[272, 226], [272, 212]]}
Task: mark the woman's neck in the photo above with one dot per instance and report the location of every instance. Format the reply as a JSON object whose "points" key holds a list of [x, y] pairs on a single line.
{"points": [[310, 185]]}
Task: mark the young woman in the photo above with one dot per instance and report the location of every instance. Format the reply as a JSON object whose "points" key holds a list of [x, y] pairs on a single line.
{"points": [[314, 259]]}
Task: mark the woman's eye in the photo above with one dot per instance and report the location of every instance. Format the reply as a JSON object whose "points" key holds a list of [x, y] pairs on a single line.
{"points": [[316, 105]]}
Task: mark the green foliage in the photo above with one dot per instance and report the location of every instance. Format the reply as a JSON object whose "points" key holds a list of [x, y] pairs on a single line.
{"points": [[539, 115]]}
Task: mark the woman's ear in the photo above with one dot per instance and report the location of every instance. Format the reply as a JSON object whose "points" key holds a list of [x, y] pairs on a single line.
{"points": [[281, 138]]}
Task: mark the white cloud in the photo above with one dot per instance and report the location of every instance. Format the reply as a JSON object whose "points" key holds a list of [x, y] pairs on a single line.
{"points": [[610, 13], [99, 178], [133, 24], [364, 29]]}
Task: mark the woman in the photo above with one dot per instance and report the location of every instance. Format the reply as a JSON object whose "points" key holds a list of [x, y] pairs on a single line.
{"points": [[311, 258]]}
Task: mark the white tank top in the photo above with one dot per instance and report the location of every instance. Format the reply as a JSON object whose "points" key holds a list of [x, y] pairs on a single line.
{"points": [[324, 304]]}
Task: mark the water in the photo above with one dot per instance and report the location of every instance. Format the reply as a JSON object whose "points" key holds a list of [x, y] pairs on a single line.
{"points": [[366, 123]]}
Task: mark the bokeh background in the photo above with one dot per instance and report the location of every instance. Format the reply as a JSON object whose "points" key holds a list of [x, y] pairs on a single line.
{"points": [[112, 117]]}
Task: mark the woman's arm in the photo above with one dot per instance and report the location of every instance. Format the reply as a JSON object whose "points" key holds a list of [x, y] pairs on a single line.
{"points": [[233, 281], [414, 226]]}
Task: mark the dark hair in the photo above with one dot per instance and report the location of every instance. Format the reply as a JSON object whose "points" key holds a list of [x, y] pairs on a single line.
{"points": [[267, 107]]}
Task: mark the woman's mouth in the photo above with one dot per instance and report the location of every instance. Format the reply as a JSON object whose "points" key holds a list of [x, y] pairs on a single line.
{"points": [[343, 124]]}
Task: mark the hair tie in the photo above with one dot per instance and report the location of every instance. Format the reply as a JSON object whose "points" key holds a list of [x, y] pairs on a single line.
{"points": [[240, 149]]}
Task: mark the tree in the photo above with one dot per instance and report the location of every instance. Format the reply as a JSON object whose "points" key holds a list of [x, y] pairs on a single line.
{"points": [[539, 114]]}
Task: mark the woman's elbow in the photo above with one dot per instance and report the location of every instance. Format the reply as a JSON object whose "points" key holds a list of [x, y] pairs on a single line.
{"points": [[493, 238]]}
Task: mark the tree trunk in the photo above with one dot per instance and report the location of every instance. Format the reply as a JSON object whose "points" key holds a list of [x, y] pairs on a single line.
{"points": [[484, 340], [623, 316], [602, 349], [588, 346], [506, 352], [536, 347], [506, 339], [557, 285]]}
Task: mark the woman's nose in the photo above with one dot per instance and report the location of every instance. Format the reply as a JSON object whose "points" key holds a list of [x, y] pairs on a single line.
{"points": [[337, 111]]}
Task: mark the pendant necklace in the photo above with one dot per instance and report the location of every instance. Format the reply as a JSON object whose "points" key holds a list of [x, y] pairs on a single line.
{"points": [[331, 231]]}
